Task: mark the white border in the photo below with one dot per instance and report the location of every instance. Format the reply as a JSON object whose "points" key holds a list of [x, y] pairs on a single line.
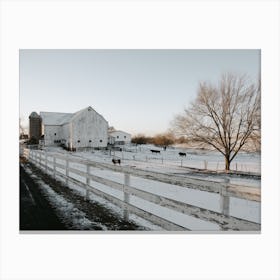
{"points": [[124, 24]]}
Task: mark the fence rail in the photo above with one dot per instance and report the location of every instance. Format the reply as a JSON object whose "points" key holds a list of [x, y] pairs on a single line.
{"points": [[48, 162]]}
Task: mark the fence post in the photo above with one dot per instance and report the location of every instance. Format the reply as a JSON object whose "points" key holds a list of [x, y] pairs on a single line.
{"points": [[37, 159], [67, 170], [40, 160], [46, 162], [205, 164], [224, 198], [87, 182], [54, 167], [126, 195]]}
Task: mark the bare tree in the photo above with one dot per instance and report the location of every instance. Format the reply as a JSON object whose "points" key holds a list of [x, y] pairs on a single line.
{"points": [[223, 116]]}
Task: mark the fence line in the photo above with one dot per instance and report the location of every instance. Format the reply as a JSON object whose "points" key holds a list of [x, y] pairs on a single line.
{"points": [[183, 162], [226, 190], [188, 182]]}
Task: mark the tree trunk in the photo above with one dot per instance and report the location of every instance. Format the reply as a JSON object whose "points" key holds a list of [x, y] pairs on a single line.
{"points": [[227, 163]]}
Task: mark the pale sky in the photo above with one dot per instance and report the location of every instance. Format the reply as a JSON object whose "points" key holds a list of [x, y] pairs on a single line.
{"points": [[138, 91]]}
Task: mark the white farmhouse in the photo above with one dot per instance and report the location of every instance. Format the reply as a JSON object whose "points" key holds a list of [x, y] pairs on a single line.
{"points": [[85, 128], [119, 137]]}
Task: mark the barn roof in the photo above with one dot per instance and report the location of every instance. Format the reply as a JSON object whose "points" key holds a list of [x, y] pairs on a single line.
{"points": [[89, 108], [116, 131], [52, 118]]}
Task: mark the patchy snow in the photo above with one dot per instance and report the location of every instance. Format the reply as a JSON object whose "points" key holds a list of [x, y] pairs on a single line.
{"points": [[76, 218], [73, 217]]}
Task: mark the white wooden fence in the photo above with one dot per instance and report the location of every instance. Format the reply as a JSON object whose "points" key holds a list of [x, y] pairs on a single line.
{"points": [[49, 162]]}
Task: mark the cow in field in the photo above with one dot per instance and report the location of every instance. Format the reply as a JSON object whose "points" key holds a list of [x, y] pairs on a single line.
{"points": [[115, 161], [182, 154], [155, 151]]}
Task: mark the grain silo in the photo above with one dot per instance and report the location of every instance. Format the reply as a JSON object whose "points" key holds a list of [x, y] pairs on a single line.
{"points": [[35, 126]]}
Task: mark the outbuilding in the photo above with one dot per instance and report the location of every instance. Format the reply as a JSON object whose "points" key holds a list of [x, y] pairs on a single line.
{"points": [[119, 137]]}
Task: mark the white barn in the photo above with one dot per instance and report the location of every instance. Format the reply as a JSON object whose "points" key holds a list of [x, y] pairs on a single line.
{"points": [[85, 128], [119, 137]]}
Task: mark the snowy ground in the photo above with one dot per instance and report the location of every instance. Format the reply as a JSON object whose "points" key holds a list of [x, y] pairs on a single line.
{"points": [[169, 162], [72, 213]]}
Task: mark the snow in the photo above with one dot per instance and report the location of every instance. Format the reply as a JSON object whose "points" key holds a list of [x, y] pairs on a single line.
{"points": [[239, 208], [168, 162], [73, 217], [198, 198], [186, 221], [245, 209]]}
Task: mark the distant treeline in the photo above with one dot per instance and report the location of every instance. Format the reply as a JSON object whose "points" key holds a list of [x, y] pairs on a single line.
{"points": [[167, 139], [159, 140]]}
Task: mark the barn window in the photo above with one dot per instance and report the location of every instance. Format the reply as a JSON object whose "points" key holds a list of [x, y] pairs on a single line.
{"points": [[100, 141], [55, 134], [117, 136], [124, 137], [89, 141], [78, 141]]}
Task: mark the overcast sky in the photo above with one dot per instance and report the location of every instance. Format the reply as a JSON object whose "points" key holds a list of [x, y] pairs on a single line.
{"points": [[138, 91]]}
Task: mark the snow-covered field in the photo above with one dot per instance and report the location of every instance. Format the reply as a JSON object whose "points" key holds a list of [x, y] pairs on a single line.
{"points": [[169, 162], [202, 159]]}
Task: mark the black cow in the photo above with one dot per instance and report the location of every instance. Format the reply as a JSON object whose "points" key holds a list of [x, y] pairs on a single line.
{"points": [[116, 161], [182, 154], [155, 151]]}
